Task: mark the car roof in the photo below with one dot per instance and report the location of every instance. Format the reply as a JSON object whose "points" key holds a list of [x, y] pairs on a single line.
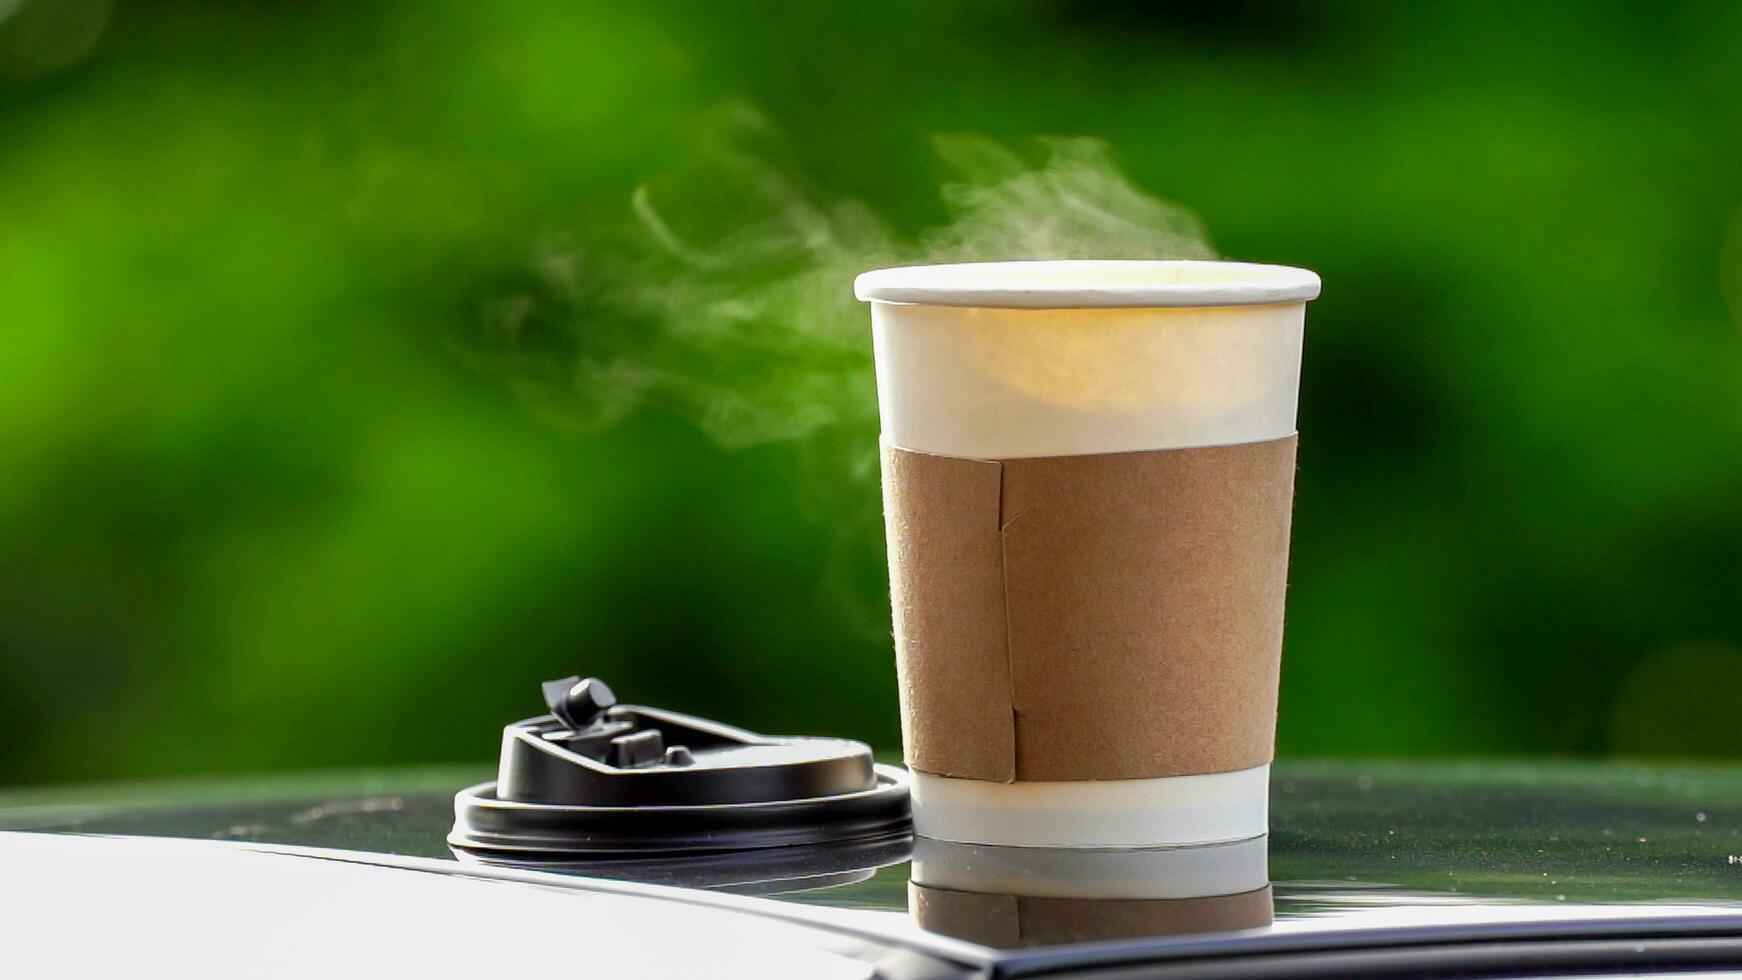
{"points": [[1360, 853]]}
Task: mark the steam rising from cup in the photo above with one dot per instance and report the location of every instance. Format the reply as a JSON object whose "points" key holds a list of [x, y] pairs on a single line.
{"points": [[718, 295]]}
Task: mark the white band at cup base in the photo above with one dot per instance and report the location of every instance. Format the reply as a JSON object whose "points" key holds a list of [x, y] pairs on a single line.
{"points": [[1164, 812]]}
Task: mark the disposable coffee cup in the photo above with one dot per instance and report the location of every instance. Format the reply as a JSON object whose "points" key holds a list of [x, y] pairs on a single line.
{"points": [[1087, 478], [1025, 896]]}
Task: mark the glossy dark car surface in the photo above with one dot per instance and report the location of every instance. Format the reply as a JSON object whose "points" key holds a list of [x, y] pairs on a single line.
{"points": [[1568, 866]]}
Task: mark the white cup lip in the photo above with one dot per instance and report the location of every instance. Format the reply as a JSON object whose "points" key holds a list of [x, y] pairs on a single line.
{"points": [[1089, 283]]}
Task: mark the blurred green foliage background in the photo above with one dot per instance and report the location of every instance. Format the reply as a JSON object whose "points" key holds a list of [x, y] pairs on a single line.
{"points": [[275, 493]]}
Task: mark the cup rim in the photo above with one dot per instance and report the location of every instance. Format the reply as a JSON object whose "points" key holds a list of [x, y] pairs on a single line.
{"points": [[1089, 283]]}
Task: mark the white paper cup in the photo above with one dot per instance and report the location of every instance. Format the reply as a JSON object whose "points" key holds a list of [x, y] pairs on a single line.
{"points": [[1007, 360]]}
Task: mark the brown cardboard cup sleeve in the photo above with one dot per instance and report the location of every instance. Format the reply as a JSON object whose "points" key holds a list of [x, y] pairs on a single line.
{"points": [[1111, 616]]}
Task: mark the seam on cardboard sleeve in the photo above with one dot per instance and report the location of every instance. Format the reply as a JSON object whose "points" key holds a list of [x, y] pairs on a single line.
{"points": [[1009, 692], [1004, 523], [950, 677]]}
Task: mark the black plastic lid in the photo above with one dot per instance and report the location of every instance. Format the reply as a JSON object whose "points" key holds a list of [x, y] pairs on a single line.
{"points": [[598, 779]]}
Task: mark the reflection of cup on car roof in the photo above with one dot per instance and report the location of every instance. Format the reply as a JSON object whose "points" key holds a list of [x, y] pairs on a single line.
{"points": [[1026, 896]]}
